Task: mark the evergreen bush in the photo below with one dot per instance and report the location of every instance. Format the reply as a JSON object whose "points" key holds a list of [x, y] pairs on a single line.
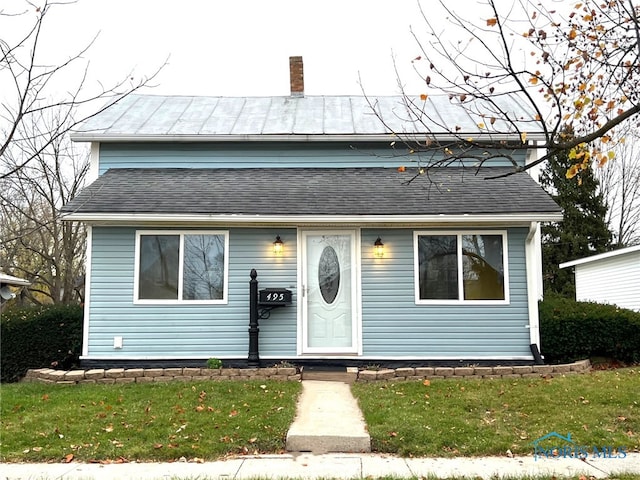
{"points": [[35, 337], [571, 331]]}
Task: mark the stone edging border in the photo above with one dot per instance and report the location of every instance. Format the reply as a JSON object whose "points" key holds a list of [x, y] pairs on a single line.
{"points": [[428, 373], [187, 374], [147, 375]]}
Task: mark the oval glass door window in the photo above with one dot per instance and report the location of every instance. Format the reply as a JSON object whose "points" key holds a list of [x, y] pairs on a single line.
{"points": [[329, 274]]}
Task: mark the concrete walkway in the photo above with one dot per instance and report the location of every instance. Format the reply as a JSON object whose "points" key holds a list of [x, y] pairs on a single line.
{"points": [[328, 419], [329, 466]]}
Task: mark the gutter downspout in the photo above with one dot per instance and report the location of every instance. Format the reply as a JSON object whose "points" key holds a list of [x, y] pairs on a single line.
{"points": [[533, 249]]}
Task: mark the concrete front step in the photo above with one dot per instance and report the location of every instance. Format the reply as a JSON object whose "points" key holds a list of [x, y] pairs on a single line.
{"points": [[343, 375], [328, 419]]}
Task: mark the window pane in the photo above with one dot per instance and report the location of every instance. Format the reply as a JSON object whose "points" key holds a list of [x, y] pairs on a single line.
{"points": [[482, 267], [438, 264], [159, 267], [203, 267]]}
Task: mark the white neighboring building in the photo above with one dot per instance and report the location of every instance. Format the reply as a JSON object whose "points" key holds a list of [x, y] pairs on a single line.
{"points": [[611, 277]]}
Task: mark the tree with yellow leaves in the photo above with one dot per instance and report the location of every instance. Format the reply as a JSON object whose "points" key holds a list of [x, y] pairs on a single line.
{"points": [[575, 68]]}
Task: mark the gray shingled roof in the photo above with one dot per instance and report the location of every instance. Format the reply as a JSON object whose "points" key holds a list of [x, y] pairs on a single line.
{"points": [[310, 191], [171, 118]]}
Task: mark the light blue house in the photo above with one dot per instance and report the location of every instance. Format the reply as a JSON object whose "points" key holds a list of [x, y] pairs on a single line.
{"points": [[190, 194]]}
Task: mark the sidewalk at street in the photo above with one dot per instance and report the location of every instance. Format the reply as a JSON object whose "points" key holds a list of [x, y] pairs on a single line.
{"points": [[338, 466]]}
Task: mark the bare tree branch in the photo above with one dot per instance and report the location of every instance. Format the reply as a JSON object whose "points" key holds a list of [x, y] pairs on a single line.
{"points": [[524, 71], [33, 95]]}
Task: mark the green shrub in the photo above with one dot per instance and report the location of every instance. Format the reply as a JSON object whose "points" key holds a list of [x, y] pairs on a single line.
{"points": [[37, 336], [572, 331], [214, 363]]}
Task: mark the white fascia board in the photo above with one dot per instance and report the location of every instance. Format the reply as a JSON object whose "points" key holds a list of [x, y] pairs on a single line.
{"points": [[600, 256], [375, 137], [94, 163], [524, 219]]}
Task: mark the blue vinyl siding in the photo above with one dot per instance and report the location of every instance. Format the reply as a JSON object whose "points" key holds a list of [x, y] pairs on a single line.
{"points": [[192, 331], [228, 155], [393, 326]]}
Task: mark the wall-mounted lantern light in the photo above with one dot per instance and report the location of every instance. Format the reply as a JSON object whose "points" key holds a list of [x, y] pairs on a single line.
{"points": [[278, 246], [378, 248]]}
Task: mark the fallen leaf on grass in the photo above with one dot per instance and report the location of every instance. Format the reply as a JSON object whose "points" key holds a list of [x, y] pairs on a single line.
{"points": [[68, 458], [426, 383], [157, 446]]}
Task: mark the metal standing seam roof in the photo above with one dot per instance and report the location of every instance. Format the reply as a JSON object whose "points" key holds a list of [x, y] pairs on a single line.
{"points": [[195, 118], [315, 192]]}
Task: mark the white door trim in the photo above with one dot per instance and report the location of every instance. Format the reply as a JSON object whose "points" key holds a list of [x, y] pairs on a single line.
{"points": [[356, 346]]}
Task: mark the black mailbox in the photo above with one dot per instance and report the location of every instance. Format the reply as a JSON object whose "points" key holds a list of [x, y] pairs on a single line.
{"points": [[274, 297]]}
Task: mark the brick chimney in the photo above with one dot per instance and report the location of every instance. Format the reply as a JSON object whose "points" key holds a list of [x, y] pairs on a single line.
{"points": [[296, 76]]}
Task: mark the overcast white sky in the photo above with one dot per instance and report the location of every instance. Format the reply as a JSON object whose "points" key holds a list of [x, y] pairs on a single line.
{"points": [[241, 47]]}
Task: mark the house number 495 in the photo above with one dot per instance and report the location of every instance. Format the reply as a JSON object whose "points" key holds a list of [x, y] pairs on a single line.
{"points": [[275, 297]]}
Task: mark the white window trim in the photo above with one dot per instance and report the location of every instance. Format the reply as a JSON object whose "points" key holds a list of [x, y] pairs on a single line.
{"points": [[461, 300], [181, 233]]}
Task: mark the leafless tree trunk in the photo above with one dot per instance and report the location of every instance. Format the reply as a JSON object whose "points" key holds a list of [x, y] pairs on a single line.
{"points": [[36, 245]]}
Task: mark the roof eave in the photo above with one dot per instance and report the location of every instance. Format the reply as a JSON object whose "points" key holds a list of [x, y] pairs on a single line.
{"points": [[13, 281], [600, 256], [295, 137], [521, 219]]}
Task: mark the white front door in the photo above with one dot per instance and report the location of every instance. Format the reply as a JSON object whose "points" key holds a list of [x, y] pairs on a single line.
{"points": [[330, 292]]}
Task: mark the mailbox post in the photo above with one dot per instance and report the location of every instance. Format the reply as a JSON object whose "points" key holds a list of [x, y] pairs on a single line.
{"points": [[260, 305], [254, 330]]}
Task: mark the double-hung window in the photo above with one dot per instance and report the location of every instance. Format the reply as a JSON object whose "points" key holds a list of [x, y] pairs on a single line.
{"points": [[173, 267], [461, 267]]}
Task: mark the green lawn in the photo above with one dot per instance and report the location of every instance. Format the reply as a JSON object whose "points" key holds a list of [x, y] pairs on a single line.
{"points": [[163, 421], [209, 420], [490, 417]]}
